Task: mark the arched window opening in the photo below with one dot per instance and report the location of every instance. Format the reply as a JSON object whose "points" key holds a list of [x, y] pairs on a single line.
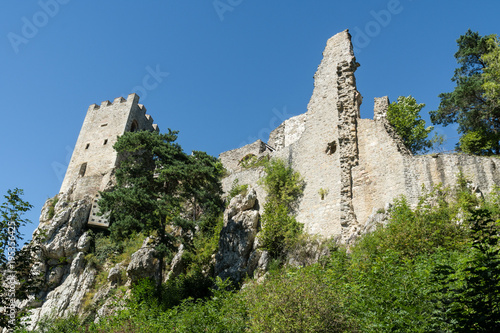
{"points": [[134, 127]]}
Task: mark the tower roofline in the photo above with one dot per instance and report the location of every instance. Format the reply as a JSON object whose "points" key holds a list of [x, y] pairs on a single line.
{"points": [[131, 98]]}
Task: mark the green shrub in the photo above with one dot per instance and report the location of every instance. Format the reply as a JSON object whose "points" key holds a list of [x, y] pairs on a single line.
{"points": [[223, 312], [390, 293], [251, 161], [432, 224], [204, 246], [280, 229], [297, 301], [470, 300], [70, 324], [282, 184], [52, 207], [284, 187], [127, 247], [105, 248], [322, 193], [236, 189]]}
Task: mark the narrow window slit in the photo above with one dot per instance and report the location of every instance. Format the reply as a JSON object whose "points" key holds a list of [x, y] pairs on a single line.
{"points": [[83, 168]]}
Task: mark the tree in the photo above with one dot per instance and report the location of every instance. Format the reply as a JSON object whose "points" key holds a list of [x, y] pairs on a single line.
{"points": [[404, 116], [157, 185], [491, 73], [18, 279], [473, 104]]}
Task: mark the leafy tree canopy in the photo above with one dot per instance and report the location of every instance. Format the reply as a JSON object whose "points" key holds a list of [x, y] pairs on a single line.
{"points": [[404, 116], [157, 185], [473, 104]]}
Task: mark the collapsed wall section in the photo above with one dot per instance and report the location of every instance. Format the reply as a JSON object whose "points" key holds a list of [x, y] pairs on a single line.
{"points": [[320, 144]]}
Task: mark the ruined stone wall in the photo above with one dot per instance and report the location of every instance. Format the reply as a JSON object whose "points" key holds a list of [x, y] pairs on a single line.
{"points": [[232, 159], [380, 174], [326, 150], [359, 164], [288, 132], [385, 172], [321, 144]]}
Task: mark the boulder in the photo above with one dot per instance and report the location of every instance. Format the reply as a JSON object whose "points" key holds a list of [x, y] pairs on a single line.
{"points": [[241, 223], [143, 264]]}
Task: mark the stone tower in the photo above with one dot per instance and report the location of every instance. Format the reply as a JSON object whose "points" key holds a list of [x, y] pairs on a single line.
{"points": [[94, 159]]}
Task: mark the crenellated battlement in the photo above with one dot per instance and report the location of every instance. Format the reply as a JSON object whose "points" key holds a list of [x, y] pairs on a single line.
{"points": [[131, 98], [119, 100]]}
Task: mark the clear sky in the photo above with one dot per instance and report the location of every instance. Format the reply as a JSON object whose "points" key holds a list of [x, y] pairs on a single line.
{"points": [[223, 72]]}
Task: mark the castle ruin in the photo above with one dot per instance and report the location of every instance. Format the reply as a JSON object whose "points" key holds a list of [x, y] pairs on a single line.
{"points": [[351, 166]]}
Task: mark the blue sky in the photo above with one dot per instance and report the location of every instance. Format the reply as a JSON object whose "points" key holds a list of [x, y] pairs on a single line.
{"points": [[223, 72]]}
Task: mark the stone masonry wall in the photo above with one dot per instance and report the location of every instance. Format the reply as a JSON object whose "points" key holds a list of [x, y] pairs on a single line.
{"points": [[288, 132], [232, 159], [94, 159], [384, 172]]}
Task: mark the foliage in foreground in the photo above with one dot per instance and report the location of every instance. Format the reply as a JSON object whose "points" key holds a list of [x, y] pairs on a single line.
{"points": [[433, 268], [18, 279]]}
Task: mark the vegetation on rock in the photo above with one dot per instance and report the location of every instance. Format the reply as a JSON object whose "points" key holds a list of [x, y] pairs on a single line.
{"points": [[160, 186], [284, 186]]}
